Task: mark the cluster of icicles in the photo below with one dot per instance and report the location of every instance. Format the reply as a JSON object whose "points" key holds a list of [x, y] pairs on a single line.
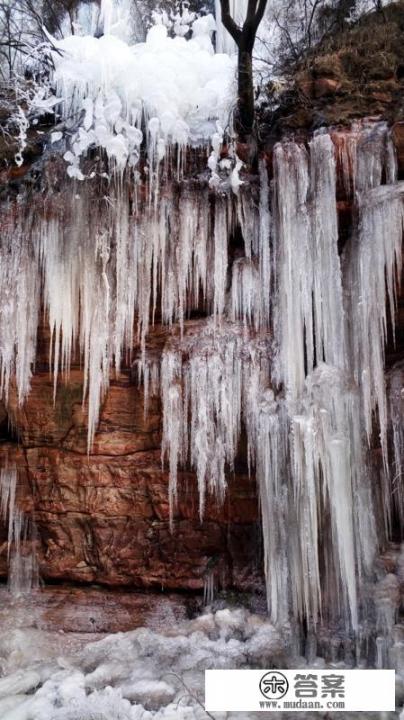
{"points": [[21, 536], [292, 351]]}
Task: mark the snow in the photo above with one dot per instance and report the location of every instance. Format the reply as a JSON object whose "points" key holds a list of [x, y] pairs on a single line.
{"points": [[178, 88], [153, 672]]}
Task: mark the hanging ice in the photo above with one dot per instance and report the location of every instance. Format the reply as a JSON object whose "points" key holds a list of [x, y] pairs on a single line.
{"points": [[372, 275], [282, 356], [202, 401], [396, 425], [174, 88], [22, 562]]}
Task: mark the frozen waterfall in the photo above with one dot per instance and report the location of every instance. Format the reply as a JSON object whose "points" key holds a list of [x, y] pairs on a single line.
{"points": [[287, 349]]}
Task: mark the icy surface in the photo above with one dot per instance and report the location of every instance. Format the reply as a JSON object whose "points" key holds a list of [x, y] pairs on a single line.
{"points": [[155, 671]]}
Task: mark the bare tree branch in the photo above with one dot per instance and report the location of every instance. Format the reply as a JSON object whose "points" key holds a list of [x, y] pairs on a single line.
{"points": [[244, 38], [228, 22]]}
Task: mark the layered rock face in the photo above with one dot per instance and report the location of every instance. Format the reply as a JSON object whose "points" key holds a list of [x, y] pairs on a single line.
{"points": [[104, 517]]}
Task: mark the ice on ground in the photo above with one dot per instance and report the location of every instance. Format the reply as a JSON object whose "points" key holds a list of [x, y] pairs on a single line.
{"points": [[141, 674]]}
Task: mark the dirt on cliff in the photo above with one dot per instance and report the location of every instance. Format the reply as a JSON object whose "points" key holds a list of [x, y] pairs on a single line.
{"points": [[351, 74]]}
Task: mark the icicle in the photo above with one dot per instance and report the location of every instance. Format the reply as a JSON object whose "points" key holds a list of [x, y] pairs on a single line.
{"points": [[271, 462], [309, 275], [251, 275], [23, 573], [173, 421], [106, 263], [396, 423], [19, 305], [245, 293], [202, 402], [293, 313], [106, 14], [8, 486], [372, 274], [326, 272], [264, 251], [325, 471], [209, 588], [221, 239]]}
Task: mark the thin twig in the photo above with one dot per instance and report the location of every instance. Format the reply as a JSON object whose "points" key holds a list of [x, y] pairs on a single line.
{"points": [[191, 694]]}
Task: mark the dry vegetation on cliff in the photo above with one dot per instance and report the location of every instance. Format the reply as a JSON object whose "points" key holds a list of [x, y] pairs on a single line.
{"points": [[354, 73]]}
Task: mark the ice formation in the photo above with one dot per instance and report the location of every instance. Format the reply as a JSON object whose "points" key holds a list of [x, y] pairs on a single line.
{"points": [[306, 443], [167, 92], [154, 672], [21, 558], [203, 396], [373, 270], [288, 344], [150, 673], [396, 425]]}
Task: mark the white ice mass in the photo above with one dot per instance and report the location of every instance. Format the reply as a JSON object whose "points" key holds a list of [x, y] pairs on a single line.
{"points": [[166, 91]]}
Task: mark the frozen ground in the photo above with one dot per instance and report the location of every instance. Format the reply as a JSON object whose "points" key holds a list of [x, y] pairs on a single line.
{"points": [[152, 672]]}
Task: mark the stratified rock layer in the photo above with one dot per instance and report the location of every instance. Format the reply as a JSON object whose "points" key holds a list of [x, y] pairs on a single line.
{"points": [[104, 517]]}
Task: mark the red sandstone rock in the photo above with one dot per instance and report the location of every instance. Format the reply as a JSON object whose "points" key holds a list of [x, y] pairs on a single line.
{"points": [[398, 139], [105, 517], [325, 86], [383, 97]]}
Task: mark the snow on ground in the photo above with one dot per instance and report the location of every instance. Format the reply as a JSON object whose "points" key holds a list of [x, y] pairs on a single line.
{"points": [[155, 672], [178, 91], [149, 673]]}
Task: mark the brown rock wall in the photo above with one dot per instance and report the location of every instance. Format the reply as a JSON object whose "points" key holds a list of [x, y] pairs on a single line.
{"points": [[104, 517]]}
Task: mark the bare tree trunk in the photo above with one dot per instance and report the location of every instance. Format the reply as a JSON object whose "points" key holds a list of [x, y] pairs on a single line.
{"points": [[244, 38], [244, 120]]}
